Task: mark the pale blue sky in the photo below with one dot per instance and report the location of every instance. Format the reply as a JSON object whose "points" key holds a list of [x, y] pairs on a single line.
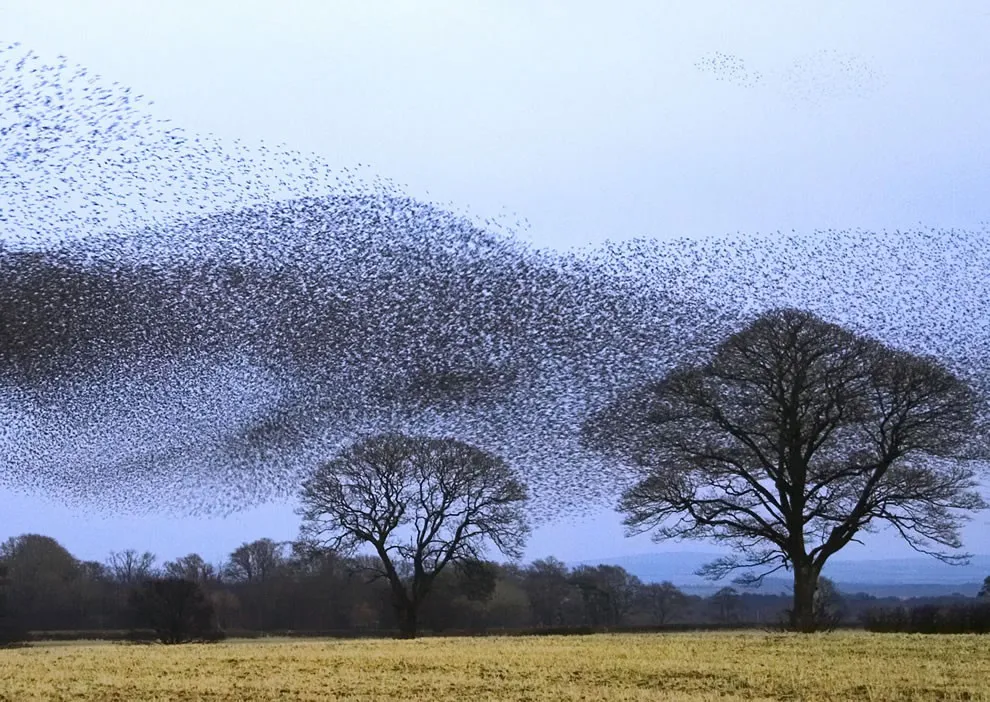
{"points": [[590, 119]]}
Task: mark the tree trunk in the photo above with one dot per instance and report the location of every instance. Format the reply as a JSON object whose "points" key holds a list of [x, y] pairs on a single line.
{"points": [[405, 606], [803, 610], [407, 621]]}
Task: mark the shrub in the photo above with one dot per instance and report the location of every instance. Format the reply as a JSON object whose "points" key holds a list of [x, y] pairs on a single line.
{"points": [[177, 610]]}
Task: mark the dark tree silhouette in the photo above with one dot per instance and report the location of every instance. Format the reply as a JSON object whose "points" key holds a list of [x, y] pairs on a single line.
{"points": [[256, 561], [793, 439], [985, 590], [476, 579], [663, 601], [178, 610], [10, 631], [129, 566], [460, 596], [607, 592], [191, 567], [421, 504], [44, 580], [829, 607], [550, 591], [725, 605]]}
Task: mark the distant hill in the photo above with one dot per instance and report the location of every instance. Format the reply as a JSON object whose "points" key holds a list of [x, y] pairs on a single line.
{"points": [[886, 577]]}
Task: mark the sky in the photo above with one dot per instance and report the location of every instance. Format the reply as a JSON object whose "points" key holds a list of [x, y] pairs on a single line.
{"points": [[591, 121]]}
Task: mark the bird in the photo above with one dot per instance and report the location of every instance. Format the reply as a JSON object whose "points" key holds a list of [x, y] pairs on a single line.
{"points": [[809, 80], [189, 324]]}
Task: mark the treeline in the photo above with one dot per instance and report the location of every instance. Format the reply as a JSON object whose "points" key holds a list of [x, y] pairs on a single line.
{"points": [[270, 587], [971, 617]]}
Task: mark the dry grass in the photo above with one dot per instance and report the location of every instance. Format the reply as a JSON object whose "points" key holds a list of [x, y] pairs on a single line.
{"points": [[745, 666]]}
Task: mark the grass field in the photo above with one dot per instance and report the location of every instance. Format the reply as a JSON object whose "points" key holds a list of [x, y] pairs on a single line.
{"points": [[712, 666]]}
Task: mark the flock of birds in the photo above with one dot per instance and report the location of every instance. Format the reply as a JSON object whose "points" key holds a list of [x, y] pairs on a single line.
{"points": [[811, 80], [187, 324]]}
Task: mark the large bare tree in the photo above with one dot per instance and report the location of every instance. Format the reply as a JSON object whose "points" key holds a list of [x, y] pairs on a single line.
{"points": [[421, 504], [793, 439]]}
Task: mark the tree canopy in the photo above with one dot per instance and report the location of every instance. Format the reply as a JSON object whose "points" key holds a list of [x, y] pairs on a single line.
{"points": [[793, 439], [419, 503]]}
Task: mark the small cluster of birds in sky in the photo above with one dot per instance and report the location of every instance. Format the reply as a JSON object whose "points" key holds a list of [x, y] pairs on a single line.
{"points": [[810, 80], [189, 324], [729, 68]]}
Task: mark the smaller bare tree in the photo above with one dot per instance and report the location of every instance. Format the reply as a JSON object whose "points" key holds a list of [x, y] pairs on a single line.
{"points": [[421, 504], [130, 567], [178, 610], [256, 561], [664, 601], [724, 605], [191, 567]]}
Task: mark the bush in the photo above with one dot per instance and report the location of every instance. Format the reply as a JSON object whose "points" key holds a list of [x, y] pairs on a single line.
{"points": [[177, 610]]}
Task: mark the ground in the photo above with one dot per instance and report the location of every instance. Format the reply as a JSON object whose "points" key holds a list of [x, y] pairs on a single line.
{"points": [[712, 666]]}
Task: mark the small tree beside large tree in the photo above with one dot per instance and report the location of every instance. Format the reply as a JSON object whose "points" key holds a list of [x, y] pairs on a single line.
{"points": [[178, 610], [421, 504], [791, 441]]}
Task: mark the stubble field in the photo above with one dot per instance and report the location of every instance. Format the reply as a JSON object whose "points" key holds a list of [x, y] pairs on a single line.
{"points": [[739, 666]]}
